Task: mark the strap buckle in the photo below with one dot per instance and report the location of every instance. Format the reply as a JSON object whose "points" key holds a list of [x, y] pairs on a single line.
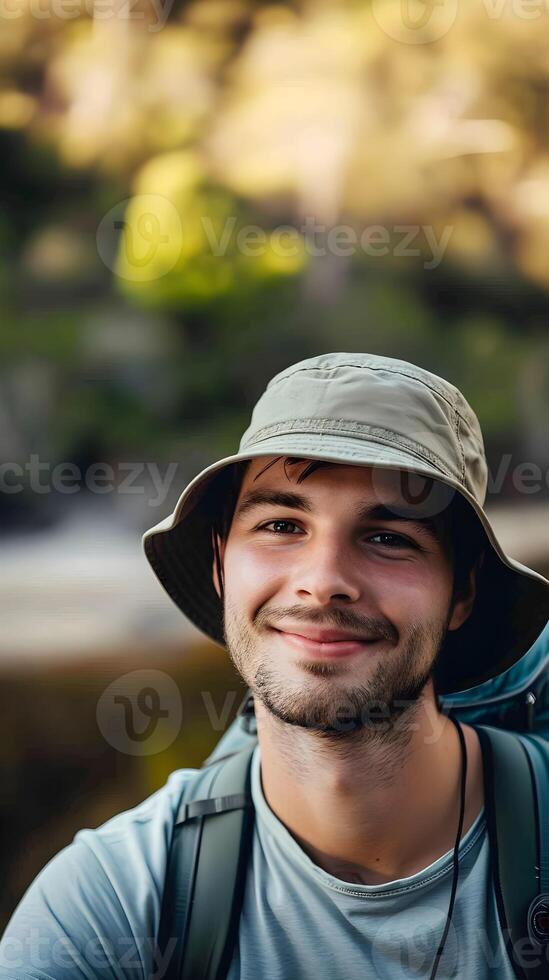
{"points": [[216, 804]]}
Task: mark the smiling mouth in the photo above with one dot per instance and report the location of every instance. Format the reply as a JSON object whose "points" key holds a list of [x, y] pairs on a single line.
{"points": [[334, 648]]}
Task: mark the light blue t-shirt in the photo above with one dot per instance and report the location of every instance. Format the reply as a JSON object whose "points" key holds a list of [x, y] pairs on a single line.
{"points": [[93, 911]]}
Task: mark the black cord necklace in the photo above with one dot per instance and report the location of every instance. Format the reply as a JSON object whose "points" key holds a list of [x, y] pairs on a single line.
{"points": [[456, 847]]}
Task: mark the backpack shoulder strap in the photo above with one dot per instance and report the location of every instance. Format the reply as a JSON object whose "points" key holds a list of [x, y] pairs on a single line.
{"points": [[206, 873], [517, 819]]}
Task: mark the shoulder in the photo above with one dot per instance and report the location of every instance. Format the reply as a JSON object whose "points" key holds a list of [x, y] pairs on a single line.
{"points": [[134, 844], [96, 904]]}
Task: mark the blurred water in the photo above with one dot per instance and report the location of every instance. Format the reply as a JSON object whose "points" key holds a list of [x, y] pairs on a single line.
{"points": [[83, 584]]}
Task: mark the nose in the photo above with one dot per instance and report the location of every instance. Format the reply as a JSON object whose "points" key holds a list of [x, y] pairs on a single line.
{"points": [[325, 571]]}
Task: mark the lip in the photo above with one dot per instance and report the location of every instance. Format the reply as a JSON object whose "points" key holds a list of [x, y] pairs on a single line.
{"points": [[332, 648]]}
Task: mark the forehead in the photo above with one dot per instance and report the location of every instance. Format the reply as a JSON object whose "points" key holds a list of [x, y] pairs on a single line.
{"points": [[271, 468], [402, 490]]}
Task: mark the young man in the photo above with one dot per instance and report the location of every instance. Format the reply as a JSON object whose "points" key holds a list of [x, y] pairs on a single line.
{"points": [[344, 558]]}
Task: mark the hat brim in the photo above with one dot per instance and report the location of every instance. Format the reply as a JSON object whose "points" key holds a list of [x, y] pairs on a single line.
{"points": [[512, 603]]}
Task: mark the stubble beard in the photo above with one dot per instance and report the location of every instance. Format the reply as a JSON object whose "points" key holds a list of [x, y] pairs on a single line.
{"points": [[382, 709]]}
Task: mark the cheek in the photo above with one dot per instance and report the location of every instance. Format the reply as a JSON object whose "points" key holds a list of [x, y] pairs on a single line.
{"points": [[250, 574], [417, 589], [398, 589]]}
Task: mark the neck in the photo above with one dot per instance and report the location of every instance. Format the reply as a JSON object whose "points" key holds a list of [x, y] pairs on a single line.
{"points": [[372, 808]]}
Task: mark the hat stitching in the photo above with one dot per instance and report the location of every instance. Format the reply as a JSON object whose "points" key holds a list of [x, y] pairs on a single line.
{"points": [[431, 385], [353, 453], [461, 450], [379, 364], [377, 433]]}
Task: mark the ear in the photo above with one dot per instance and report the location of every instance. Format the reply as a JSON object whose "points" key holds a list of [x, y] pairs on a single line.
{"points": [[221, 547], [464, 602]]}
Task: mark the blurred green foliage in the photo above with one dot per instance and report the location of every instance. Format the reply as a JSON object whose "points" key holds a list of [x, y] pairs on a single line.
{"points": [[155, 268]]}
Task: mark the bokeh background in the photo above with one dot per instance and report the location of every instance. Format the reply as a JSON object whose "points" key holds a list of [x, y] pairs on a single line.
{"points": [[194, 196]]}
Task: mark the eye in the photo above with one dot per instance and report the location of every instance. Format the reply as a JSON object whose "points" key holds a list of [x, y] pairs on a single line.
{"points": [[264, 527], [397, 539], [391, 540]]}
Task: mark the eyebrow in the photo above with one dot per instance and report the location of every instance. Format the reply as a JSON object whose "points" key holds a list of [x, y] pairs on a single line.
{"points": [[297, 501]]}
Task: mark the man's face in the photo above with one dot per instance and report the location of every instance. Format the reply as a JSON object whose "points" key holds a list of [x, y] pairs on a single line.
{"points": [[319, 558]]}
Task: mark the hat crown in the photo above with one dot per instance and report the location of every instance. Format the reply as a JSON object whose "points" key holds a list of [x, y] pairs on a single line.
{"points": [[368, 397]]}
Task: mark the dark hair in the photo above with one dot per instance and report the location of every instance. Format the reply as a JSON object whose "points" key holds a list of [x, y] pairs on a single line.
{"points": [[459, 525]]}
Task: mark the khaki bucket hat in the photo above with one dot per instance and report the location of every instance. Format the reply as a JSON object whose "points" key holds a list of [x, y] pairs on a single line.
{"points": [[366, 410]]}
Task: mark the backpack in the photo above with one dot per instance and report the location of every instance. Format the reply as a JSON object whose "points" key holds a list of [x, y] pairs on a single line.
{"points": [[206, 869]]}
